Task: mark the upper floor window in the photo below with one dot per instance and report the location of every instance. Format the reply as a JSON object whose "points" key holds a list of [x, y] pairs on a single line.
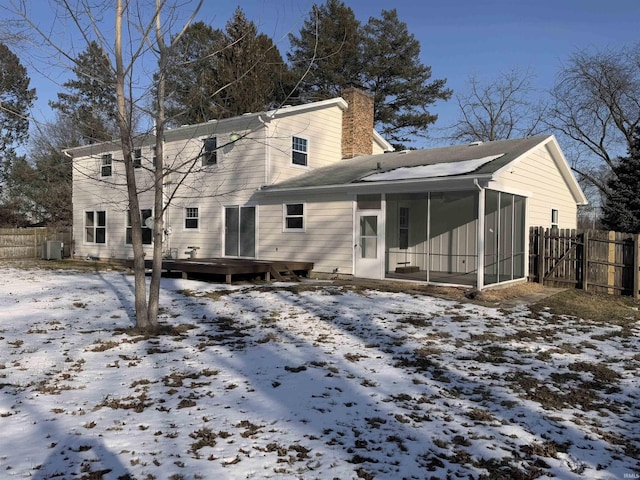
{"points": [[294, 217], [154, 160], [106, 166], [210, 152], [191, 217], [299, 151], [137, 158]]}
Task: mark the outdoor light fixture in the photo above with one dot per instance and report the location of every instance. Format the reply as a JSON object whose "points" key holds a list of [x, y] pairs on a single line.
{"points": [[234, 137]]}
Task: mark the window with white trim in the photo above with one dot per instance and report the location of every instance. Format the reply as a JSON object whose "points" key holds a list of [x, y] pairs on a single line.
{"points": [[191, 218], [210, 152], [554, 218], [95, 226], [154, 158], [294, 217], [107, 165], [147, 233], [137, 157], [299, 151]]}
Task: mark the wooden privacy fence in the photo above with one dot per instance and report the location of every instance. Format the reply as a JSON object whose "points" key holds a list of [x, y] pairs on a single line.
{"points": [[594, 260], [27, 242]]}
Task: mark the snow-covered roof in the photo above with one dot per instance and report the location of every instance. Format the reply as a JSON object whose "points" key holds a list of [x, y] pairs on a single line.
{"points": [[451, 162], [430, 171]]}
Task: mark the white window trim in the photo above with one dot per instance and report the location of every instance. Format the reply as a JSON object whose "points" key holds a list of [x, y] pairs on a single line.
{"points": [[304, 217], [184, 218], [127, 227], [84, 227], [103, 165], [306, 139], [555, 213], [137, 160], [217, 153]]}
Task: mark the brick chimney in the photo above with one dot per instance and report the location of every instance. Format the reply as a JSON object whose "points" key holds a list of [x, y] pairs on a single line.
{"points": [[357, 123]]}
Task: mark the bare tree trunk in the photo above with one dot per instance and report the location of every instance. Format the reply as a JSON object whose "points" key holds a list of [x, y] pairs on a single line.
{"points": [[158, 223], [126, 139]]}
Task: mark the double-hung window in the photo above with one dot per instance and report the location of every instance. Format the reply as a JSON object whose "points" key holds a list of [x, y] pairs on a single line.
{"points": [[154, 159], [147, 232], [554, 218], [210, 152], [191, 218], [294, 217], [137, 158], [106, 165], [299, 151], [95, 226]]}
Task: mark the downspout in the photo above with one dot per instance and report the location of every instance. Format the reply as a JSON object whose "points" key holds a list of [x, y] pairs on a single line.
{"points": [[267, 148], [72, 243], [165, 209], [480, 236]]}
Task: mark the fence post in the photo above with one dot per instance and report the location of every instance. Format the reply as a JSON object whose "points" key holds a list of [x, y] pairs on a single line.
{"points": [[611, 258], [541, 250], [636, 266], [585, 260]]}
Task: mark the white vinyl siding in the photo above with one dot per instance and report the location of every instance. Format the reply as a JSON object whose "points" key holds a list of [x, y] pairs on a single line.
{"points": [[327, 240], [262, 155], [538, 175], [322, 127]]}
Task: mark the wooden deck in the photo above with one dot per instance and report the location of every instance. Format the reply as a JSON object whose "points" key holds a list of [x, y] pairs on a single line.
{"points": [[230, 267]]}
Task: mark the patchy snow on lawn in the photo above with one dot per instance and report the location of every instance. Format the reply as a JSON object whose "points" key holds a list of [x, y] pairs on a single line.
{"points": [[280, 381]]}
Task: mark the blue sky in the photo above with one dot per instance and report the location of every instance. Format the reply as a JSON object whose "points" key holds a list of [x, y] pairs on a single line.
{"points": [[458, 37]]}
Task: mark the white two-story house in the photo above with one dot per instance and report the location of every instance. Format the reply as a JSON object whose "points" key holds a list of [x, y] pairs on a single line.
{"points": [[316, 183]]}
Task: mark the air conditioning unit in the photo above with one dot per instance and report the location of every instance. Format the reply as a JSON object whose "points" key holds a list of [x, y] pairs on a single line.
{"points": [[52, 250]]}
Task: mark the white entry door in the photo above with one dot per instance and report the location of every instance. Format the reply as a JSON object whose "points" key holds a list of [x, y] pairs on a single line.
{"points": [[369, 258]]}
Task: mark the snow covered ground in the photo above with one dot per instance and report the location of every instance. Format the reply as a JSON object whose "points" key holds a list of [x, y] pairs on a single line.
{"points": [[318, 382]]}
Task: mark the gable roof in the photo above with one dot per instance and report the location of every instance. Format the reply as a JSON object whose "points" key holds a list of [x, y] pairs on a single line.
{"points": [[475, 160]]}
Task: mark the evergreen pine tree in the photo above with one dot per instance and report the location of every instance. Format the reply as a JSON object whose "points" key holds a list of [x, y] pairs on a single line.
{"points": [[217, 74], [193, 78], [327, 54], [15, 99], [621, 211], [401, 84], [252, 70], [333, 51], [90, 100]]}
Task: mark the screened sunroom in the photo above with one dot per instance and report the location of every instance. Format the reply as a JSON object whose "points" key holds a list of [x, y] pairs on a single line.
{"points": [[475, 238]]}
